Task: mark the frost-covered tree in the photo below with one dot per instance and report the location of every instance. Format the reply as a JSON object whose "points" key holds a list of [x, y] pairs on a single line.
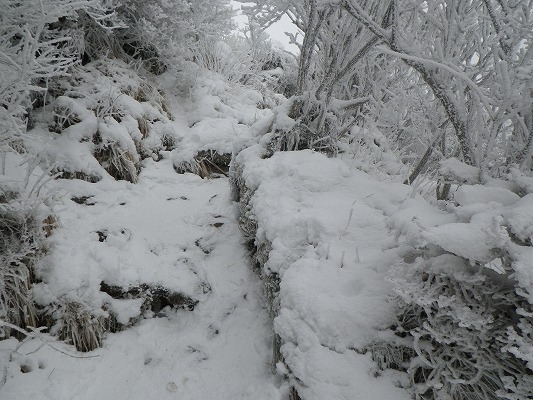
{"points": [[333, 73], [475, 56]]}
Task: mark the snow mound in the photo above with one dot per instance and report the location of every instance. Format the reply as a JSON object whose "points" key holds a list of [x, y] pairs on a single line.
{"points": [[472, 194], [320, 237], [219, 115], [458, 172]]}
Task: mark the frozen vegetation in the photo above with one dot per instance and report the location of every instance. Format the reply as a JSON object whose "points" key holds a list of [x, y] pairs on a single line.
{"points": [[191, 213]]}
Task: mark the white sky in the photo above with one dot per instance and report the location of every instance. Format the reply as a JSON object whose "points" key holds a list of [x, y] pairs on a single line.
{"points": [[276, 31]]}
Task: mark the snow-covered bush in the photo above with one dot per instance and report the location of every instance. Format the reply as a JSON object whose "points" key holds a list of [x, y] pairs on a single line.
{"points": [[24, 222], [465, 289], [105, 119], [458, 320], [37, 44]]}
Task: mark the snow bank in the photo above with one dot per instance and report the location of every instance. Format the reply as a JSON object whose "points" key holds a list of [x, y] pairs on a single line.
{"points": [[320, 232]]}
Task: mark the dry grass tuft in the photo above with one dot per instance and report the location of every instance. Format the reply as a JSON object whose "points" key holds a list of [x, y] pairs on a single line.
{"points": [[49, 224], [18, 250], [144, 127], [81, 328], [119, 163], [206, 164]]}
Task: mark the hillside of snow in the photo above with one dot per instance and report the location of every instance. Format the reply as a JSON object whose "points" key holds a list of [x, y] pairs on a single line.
{"points": [[182, 258]]}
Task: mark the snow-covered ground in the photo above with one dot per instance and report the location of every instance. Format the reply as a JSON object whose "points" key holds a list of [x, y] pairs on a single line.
{"points": [[175, 230]]}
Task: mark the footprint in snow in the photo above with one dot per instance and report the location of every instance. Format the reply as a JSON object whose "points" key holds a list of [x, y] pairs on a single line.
{"points": [[203, 245], [115, 238], [84, 200], [172, 387]]}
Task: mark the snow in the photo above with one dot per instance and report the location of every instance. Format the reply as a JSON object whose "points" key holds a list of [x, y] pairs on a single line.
{"points": [[472, 194], [330, 231], [329, 243], [457, 171], [220, 349], [175, 231], [459, 239]]}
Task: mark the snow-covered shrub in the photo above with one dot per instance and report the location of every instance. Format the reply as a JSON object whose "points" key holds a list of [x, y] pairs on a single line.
{"points": [[465, 289], [371, 151], [23, 227], [163, 33], [105, 119], [457, 321], [304, 123]]}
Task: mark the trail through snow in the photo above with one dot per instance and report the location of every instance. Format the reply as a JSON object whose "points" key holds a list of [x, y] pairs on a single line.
{"points": [[167, 228]]}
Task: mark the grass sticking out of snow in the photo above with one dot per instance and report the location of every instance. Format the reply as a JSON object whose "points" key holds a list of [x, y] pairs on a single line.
{"points": [[80, 328], [205, 164]]}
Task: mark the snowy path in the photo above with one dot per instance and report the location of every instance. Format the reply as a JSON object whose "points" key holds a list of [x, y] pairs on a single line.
{"points": [[166, 228]]}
